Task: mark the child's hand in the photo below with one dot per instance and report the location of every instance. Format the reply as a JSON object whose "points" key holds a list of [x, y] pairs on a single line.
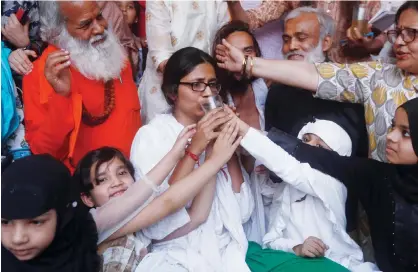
{"points": [[226, 144], [183, 140]]}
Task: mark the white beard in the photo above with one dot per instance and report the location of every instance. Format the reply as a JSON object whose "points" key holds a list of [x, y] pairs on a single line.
{"points": [[104, 61], [313, 56]]}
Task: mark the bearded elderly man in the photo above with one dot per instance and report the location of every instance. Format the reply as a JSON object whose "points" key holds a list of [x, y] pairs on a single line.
{"points": [[307, 37], [80, 94]]}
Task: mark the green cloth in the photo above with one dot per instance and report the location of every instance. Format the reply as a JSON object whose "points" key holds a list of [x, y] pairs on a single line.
{"points": [[269, 260]]}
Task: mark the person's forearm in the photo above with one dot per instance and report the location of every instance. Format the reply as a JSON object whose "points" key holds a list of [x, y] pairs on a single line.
{"points": [[171, 200], [237, 12], [184, 167], [235, 172], [198, 212], [160, 172], [294, 73]]}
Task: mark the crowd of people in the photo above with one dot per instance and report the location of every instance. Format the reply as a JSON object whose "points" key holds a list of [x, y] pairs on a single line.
{"points": [[209, 136]]}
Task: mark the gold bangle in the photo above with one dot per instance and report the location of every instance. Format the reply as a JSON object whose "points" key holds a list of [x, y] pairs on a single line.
{"points": [[250, 74], [244, 65]]}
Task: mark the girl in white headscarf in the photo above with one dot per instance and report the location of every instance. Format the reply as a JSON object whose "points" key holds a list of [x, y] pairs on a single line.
{"points": [[307, 214]]}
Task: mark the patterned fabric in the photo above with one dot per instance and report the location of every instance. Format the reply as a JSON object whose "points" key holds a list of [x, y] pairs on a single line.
{"points": [[382, 88], [269, 36], [16, 144], [32, 9], [120, 255], [172, 25], [273, 10]]}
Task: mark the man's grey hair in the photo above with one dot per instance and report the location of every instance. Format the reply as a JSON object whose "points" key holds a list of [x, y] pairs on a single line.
{"points": [[52, 22], [326, 23]]}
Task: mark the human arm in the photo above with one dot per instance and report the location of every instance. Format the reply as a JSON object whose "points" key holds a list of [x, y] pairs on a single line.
{"points": [[205, 132], [118, 211], [16, 33], [340, 82], [235, 171], [364, 177], [187, 188], [158, 29], [49, 123], [19, 61]]}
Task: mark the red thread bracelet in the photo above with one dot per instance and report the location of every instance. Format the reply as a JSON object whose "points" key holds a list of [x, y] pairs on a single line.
{"points": [[193, 156]]}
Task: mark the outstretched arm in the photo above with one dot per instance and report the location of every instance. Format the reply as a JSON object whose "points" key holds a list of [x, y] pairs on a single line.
{"points": [[187, 188], [283, 71]]}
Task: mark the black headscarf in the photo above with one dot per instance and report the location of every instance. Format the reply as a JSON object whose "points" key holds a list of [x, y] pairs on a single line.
{"points": [[407, 182], [411, 108], [33, 185]]}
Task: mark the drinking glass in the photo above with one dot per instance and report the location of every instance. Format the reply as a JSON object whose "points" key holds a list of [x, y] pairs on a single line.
{"points": [[209, 103], [359, 18]]}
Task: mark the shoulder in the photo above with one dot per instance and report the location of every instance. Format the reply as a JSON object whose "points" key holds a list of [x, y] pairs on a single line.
{"points": [[153, 135]]}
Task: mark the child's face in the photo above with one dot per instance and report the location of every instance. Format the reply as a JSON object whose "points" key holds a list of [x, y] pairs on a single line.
{"points": [[399, 148], [128, 11], [112, 180], [27, 238], [314, 140]]}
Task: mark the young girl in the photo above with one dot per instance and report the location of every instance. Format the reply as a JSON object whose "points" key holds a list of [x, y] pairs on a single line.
{"points": [[43, 226], [122, 207], [388, 192], [131, 11]]}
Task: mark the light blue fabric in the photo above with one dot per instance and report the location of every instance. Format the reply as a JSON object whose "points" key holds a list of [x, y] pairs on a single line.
{"points": [[9, 117]]}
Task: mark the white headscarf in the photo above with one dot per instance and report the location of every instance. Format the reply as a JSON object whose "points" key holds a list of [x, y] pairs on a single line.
{"points": [[331, 133]]}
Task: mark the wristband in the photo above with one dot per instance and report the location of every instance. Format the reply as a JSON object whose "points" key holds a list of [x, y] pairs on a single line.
{"points": [[193, 156]]}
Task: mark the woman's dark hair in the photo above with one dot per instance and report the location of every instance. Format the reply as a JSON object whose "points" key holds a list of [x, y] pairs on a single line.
{"points": [[135, 26], [179, 65], [231, 27], [405, 6], [98, 157]]}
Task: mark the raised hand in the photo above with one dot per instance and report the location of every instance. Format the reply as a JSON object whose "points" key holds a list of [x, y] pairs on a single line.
{"points": [[229, 57], [312, 247], [356, 38], [243, 127], [183, 140], [20, 62], [226, 144], [57, 71], [205, 129], [15, 32]]}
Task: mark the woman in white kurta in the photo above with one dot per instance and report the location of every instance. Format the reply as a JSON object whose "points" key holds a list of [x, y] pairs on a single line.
{"points": [[170, 26], [220, 243], [308, 203]]}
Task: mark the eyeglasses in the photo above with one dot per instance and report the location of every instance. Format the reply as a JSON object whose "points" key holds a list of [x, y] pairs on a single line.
{"points": [[201, 86], [408, 34]]}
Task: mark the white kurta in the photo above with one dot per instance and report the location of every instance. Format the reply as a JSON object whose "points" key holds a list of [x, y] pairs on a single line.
{"points": [[261, 185], [310, 203], [217, 245], [170, 26]]}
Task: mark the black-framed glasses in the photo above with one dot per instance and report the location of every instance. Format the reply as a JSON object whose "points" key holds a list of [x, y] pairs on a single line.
{"points": [[215, 87], [408, 34]]}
